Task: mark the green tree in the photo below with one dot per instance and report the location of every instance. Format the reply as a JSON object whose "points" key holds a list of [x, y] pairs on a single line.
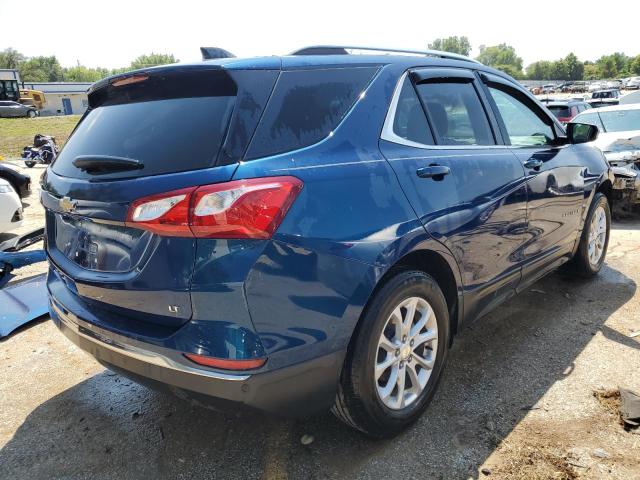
{"points": [[540, 70], [503, 57], [10, 58], [591, 71], [634, 65], [574, 67], [460, 45], [41, 69], [152, 60], [81, 73], [607, 66]]}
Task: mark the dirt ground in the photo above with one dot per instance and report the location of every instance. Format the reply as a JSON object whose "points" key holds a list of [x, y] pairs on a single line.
{"points": [[516, 402]]}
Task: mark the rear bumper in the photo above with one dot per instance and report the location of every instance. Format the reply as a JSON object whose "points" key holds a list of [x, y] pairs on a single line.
{"points": [[297, 390]]}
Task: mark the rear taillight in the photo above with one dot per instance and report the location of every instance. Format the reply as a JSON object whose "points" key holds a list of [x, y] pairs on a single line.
{"points": [[252, 208], [565, 119]]}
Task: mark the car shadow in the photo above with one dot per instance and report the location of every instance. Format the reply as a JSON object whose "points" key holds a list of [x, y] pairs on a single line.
{"points": [[498, 369]]}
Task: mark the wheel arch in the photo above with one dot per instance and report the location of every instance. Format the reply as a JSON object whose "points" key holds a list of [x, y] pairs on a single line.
{"points": [[435, 261]]}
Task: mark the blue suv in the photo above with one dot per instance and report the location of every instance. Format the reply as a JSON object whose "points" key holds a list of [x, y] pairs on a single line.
{"points": [[306, 232]]}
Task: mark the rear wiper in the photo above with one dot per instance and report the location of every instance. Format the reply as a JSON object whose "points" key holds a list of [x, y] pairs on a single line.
{"points": [[101, 164]]}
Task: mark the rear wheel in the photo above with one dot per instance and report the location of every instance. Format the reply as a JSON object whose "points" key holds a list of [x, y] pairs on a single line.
{"points": [[396, 358], [594, 241], [30, 163]]}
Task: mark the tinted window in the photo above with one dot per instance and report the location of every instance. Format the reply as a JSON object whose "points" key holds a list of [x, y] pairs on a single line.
{"points": [[410, 121], [306, 106], [524, 127], [560, 111], [170, 125], [456, 114]]}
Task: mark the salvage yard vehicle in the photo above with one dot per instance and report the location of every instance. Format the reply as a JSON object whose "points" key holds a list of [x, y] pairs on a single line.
{"points": [[10, 207], [603, 98], [10, 109], [619, 140], [565, 110], [298, 233], [21, 183]]}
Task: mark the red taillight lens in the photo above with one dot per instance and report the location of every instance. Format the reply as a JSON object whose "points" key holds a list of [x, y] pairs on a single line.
{"points": [[565, 119], [242, 209], [250, 208], [225, 363]]}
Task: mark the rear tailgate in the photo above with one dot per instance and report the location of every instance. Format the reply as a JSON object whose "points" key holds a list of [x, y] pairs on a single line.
{"points": [[144, 134]]}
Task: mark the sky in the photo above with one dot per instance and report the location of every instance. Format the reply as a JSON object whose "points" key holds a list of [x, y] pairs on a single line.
{"points": [[112, 33]]}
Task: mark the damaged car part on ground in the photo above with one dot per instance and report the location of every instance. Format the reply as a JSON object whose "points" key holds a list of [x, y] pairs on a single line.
{"points": [[294, 261], [25, 300]]}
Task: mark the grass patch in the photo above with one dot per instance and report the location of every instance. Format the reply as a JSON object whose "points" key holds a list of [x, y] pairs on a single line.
{"points": [[15, 133]]}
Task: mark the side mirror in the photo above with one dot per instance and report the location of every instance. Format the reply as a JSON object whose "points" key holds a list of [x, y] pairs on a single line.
{"points": [[581, 133]]}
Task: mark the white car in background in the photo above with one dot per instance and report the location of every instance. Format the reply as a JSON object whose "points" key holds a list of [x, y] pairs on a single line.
{"points": [[633, 83], [619, 140], [10, 207]]}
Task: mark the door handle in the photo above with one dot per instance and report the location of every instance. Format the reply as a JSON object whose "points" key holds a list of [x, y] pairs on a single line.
{"points": [[437, 172], [533, 163]]}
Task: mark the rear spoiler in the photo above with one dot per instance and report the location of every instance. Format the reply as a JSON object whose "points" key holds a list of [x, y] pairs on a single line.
{"points": [[209, 53]]}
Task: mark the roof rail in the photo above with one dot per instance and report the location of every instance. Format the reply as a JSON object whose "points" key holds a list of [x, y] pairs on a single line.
{"points": [[343, 50]]}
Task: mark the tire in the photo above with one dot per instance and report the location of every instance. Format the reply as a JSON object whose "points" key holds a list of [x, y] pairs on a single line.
{"points": [[29, 164], [31, 114], [359, 402], [584, 264]]}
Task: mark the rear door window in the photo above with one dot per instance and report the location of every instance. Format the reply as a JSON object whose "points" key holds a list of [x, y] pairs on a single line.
{"points": [[410, 122], [306, 106], [172, 123], [456, 114]]}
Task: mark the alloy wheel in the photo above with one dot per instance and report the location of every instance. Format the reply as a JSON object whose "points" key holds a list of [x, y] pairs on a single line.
{"points": [[597, 235], [406, 353]]}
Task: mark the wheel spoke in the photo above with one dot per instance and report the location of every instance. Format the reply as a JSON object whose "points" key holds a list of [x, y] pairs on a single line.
{"points": [[400, 382], [409, 315], [396, 317], [416, 385], [427, 336], [385, 391], [423, 362], [384, 365], [387, 344], [415, 330]]}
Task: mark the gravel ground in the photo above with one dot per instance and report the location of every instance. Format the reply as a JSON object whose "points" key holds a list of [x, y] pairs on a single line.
{"points": [[516, 401]]}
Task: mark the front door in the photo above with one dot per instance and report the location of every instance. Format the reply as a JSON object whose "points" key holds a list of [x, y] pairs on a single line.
{"points": [[468, 190], [66, 105], [555, 178]]}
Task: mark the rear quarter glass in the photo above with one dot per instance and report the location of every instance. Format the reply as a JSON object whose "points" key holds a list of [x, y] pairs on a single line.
{"points": [[306, 106], [171, 123]]}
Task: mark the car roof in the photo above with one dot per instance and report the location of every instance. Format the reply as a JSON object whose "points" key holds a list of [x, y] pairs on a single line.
{"points": [[292, 62], [616, 108]]}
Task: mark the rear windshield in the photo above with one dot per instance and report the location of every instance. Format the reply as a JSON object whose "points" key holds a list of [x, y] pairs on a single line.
{"points": [[560, 111], [306, 106], [170, 123]]}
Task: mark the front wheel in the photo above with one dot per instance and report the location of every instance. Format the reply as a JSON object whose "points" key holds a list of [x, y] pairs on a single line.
{"points": [[30, 163], [31, 114], [396, 357], [594, 241]]}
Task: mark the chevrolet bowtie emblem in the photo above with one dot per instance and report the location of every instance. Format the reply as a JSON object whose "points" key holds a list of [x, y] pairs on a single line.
{"points": [[66, 204]]}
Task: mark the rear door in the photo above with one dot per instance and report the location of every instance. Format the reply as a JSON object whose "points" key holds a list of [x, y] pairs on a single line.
{"points": [[144, 134], [554, 173], [465, 186]]}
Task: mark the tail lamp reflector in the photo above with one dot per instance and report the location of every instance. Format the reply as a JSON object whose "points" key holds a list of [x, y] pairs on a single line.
{"points": [[226, 363]]}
